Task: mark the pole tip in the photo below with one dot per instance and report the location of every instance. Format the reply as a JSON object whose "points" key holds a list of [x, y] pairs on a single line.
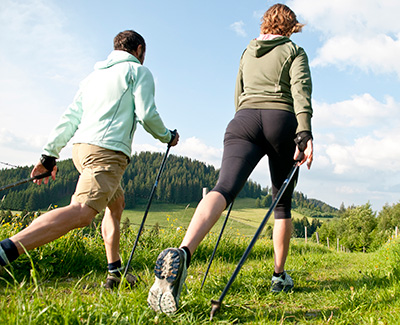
{"points": [[215, 305]]}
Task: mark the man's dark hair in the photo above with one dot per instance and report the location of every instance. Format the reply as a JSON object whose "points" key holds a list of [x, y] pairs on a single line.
{"points": [[128, 41]]}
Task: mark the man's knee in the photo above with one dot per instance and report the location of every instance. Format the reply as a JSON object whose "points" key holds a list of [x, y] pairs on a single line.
{"points": [[117, 206], [85, 214]]}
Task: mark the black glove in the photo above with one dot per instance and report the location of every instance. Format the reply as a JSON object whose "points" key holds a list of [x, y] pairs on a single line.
{"points": [[48, 162], [302, 139], [173, 135]]}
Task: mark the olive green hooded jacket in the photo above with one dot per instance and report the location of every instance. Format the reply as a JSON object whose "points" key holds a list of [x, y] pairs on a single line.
{"points": [[274, 74]]}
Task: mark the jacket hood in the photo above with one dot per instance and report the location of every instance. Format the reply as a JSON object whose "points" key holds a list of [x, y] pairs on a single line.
{"points": [[115, 57], [258, 48]]}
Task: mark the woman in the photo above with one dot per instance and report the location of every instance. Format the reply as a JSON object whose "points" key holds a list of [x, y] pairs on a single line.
{"points": [[273, 107]]}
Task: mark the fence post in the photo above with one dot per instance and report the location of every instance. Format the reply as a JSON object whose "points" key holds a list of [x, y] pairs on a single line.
{"points": [[305, 234], [205, 191], [327, 240], [316, 234]]}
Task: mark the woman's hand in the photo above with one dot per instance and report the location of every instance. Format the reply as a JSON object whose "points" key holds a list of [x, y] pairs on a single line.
{"points": [[307, 155]]}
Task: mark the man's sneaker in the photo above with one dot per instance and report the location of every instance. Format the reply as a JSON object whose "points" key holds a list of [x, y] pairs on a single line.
{"points": [[114, 279], [170, 272], [3, 257], [282, 283]]}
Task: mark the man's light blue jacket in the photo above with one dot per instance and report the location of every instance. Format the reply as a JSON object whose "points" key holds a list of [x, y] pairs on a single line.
{"points": [[110, 102]]}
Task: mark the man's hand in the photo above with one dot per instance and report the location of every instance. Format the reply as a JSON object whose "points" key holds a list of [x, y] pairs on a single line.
{"points": [[40, 169], [307, 155], [175, 140]]}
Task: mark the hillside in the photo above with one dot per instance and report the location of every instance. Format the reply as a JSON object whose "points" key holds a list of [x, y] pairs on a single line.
{"points": [[181, 182]]}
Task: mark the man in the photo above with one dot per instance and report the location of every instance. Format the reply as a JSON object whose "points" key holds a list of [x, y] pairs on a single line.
{"points": [[102, 118]]}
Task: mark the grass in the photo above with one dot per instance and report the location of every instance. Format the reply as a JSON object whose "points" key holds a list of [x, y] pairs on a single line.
{"points": [[244, 218], [60, 283]]}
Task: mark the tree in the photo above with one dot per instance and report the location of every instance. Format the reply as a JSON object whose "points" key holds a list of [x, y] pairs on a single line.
{"points": [[359, 225], [330, 229]]}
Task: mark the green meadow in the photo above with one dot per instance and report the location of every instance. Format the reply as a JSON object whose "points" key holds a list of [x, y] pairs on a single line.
{"points": [[61, 283], [244, 219]]}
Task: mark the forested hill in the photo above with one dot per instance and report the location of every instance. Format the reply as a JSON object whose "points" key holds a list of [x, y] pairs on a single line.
{"points": [[182, 181]]}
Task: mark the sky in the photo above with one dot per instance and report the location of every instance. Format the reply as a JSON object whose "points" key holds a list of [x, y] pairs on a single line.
{"points": [[193, 50]]}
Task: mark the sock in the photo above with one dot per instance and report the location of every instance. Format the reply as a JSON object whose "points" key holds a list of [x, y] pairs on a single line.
{"points": [[188, 255], [280, 275], [8, 252], [115, 267]]}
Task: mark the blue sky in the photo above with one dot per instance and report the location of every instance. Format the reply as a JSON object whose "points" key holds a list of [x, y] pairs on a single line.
{"points": [[193, 51]]}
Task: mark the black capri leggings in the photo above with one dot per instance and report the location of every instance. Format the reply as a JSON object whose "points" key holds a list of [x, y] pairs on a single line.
{"points": [[250, 135]]}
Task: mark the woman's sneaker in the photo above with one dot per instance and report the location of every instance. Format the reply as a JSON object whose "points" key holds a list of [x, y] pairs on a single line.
{"points": [[170, 272], [282, 283]]}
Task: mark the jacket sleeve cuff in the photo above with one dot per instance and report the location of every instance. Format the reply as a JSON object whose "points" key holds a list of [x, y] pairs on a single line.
{"points": [[303, 122], [48, 162], [173, 135], [302, 139]]}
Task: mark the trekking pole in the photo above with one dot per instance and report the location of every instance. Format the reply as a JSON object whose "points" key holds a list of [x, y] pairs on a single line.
{"points": [[26, 180], [216, 245], [147, 209], [216, 304]]}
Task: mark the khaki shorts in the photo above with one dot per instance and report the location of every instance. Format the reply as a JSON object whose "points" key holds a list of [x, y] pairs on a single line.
{"points": [[100, 177]]}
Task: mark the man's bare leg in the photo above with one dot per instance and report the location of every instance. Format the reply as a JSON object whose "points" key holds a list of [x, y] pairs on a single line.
{"points": [[110, 228], [52, 225]]}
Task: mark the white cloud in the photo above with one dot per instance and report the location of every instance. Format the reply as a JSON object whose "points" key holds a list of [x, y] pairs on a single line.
{"points": [[35, 36], [12, 140], [356, 17], [238, 28], [345, 189], [377, 53], [42, 65], [358, 33], [361, 111], [41, 61], [196, 149], [193, 148], [358, 134]]}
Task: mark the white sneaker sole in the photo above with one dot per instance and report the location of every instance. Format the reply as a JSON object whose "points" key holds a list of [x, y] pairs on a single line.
{"points": [[167, 275]]}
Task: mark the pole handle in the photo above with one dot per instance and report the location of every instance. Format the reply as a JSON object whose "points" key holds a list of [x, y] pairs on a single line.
{"points": [[44, 175]]}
